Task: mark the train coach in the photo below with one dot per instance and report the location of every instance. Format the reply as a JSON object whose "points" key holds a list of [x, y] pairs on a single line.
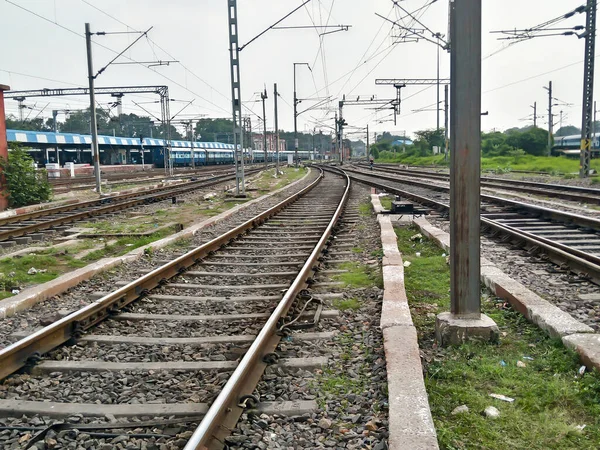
{"points": [[571, 146]]}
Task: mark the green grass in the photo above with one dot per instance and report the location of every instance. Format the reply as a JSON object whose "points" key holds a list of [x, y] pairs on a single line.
{"points": [[124, 245], [346, 304], [550, 400], [359, 275], [265, 183], [13, 271], [386, 202], [365, 208], [552, 165]]}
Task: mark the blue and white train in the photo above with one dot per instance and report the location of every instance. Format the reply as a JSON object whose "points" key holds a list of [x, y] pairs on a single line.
{"points": [[48, 147]]}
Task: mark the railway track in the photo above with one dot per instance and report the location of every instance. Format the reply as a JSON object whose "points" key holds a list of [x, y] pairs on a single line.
{"points": [[149, 176], [565, 192], [569, 240], [191, 336], [49, 219]]}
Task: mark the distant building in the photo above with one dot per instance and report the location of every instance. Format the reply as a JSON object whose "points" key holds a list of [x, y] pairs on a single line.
{"points": [[257, 139]]}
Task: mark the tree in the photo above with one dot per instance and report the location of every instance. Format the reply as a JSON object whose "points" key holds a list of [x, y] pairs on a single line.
{"points": [[25, 185], [568, 130], [534, 141], [37, 124]]}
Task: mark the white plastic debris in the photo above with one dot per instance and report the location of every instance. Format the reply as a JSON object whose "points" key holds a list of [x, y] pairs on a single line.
{"points": [[416, 236], [460, 409], [418, 254], [209, 196], [15, 291], [502, 397], [580, 427], [521, 364], [32, 271], [581, 370], [491, 412], [406, 263]]}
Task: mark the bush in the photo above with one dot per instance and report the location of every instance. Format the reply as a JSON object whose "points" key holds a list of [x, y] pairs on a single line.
{"points": [[25, 186]]}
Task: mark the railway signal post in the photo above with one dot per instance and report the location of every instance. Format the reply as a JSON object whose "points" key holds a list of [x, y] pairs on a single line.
{"points": [[3, 149], [465, 321]]}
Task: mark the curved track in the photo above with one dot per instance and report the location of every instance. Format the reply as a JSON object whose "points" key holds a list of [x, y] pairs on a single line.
{"points": [[569, 240], [49, 219], [251, 275], [566, 192]]}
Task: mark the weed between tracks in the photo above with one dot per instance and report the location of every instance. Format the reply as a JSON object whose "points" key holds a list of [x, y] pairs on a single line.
{"points": [[359, 275], [551, 400]]}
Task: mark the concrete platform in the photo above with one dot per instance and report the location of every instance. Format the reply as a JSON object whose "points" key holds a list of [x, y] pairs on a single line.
{"points": [[553, 320], [410, 422]]}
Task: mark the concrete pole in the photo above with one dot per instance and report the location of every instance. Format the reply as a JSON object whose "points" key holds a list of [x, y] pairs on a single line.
{"points": [[295, 121], [465, 321], [3, 149], [93, 125], [275, 94], [368, 147], [263, 96], [446, 117], [550, 118], [55, 128], [465, 161]]}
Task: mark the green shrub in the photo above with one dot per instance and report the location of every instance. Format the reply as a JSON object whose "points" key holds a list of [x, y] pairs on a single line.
{"points": [[25, 185]]}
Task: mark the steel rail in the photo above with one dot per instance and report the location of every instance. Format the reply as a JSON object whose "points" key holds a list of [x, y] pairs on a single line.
{"points": [[211, 430], [29, 349], [105, 200], [582, 263], [576, 193], [150, 174], [141, 198], [576, 219]]}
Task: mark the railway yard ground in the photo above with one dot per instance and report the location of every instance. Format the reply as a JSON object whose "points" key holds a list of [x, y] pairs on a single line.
{"points": [[303, 316]]}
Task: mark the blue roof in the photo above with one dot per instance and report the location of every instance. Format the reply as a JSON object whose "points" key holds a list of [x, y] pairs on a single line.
{"points": [[42, 137]]}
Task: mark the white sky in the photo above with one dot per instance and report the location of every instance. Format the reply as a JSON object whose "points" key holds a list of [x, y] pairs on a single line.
{"points": [[38, 54]]}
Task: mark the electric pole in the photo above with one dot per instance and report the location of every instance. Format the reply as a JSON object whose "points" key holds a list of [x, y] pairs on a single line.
{"points": [[368, 142], [236, 97], [275, 94], [263, 96], [588, 90], [550, 118], [446, 116], [534, 114], [465, 319], [94, 127], [192, 144]]}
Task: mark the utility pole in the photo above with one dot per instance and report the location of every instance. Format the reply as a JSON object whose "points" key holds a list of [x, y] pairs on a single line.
{"points": [[594, 127], [263, 96], [368, 142], [93, 125], [236, 97], [55, 129], [550, 118], [437, 107], [588, 89], [192, 144], [561, 119], [446, 116], [275, 94], [341, 133], [534, 114], [465, 321]]}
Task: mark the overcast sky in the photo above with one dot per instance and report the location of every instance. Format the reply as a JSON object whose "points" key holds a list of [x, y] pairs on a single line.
{"points": [[40, 53]]}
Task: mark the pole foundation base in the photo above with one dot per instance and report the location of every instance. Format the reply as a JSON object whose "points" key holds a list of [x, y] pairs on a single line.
{"points": [[454, 330]]}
